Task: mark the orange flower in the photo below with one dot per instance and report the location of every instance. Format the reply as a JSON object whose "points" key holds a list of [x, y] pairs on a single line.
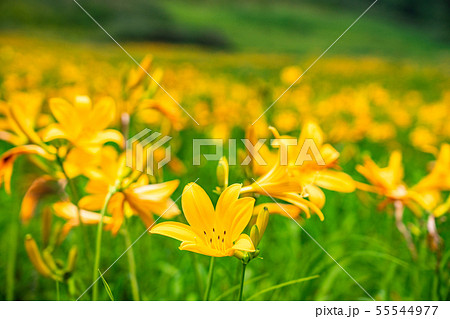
{"points": [[439, 177], [9, 157], [133, 197], [69, 212], [216, 233], [82, 124], [388, 182], [296, 176]]}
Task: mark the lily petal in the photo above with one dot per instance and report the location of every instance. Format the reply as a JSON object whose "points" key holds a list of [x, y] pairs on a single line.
{"points": [[286, 210], [242, 212], [179, 231], [65, 114], [336, 181], [102, 114], [53, 132], [156, 192], [197, 207]]}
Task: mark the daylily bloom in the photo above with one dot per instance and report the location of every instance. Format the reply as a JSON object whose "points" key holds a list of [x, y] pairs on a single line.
{"points": [[439, 177], [70, 212], [216, 233], [9, 157], [82, 124], [137, 97], [41, 187], [293, 181], [22, 114], [133, 195], [388, 182], [321, 171]]}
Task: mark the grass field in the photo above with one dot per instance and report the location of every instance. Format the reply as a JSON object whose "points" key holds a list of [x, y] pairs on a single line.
{"points": [[382, 88]]}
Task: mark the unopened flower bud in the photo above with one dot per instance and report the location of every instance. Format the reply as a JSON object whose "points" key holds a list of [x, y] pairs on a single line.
{"points": [[254, 235], [72, 259], [262, 221], [222, 173], [35, 257]]}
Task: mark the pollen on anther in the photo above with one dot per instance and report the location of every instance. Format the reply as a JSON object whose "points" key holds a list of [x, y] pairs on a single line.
{"points": [[210, 240], [223, 239]]}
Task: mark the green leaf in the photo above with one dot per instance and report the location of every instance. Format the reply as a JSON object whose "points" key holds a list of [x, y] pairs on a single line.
{"points": [[107, 288], [284, 284]]}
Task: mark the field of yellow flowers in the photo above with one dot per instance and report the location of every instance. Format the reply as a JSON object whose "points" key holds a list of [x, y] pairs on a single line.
{"points": [[78, 223]]}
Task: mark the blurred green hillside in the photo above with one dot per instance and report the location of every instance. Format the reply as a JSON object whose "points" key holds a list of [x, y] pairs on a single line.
{"points": [[390, 28]]}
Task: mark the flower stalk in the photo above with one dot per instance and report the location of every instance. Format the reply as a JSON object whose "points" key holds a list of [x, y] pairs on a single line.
{"points": [[210, 280], [241, 289], [98, 244], [402, 228], [131, 264]]}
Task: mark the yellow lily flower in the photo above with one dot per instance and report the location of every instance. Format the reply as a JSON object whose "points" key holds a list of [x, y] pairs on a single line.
{"points": [[317, 172], [210, 232], [9, 157], [39, 188], [137, 96], [388, 182], [293, 181], [442, 209], [133, 197], [69, 212], [82, 124], [439, 177], [22, 114]]}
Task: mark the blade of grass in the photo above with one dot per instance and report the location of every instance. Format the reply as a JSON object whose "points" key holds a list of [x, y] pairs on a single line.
{"points": [[284, 284], [107, 288], [236, 287]]}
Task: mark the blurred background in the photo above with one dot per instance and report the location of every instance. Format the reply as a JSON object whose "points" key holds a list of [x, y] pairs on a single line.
{"points": [[406, 27], [384, 86]]}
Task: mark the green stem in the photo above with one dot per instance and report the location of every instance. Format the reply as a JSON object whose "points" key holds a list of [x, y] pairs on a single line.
{"points": [[98, 245], [57, 290], [131, 264], [12, 256], [73, 189], [210, 280], [75, 199], [241, 290]]}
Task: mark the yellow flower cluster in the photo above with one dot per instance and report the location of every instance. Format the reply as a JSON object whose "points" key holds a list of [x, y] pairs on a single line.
{"points": [[72, 120]]}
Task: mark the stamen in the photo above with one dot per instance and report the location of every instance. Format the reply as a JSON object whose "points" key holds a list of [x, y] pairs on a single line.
{"points": [[204, 232], [213, 230]]}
